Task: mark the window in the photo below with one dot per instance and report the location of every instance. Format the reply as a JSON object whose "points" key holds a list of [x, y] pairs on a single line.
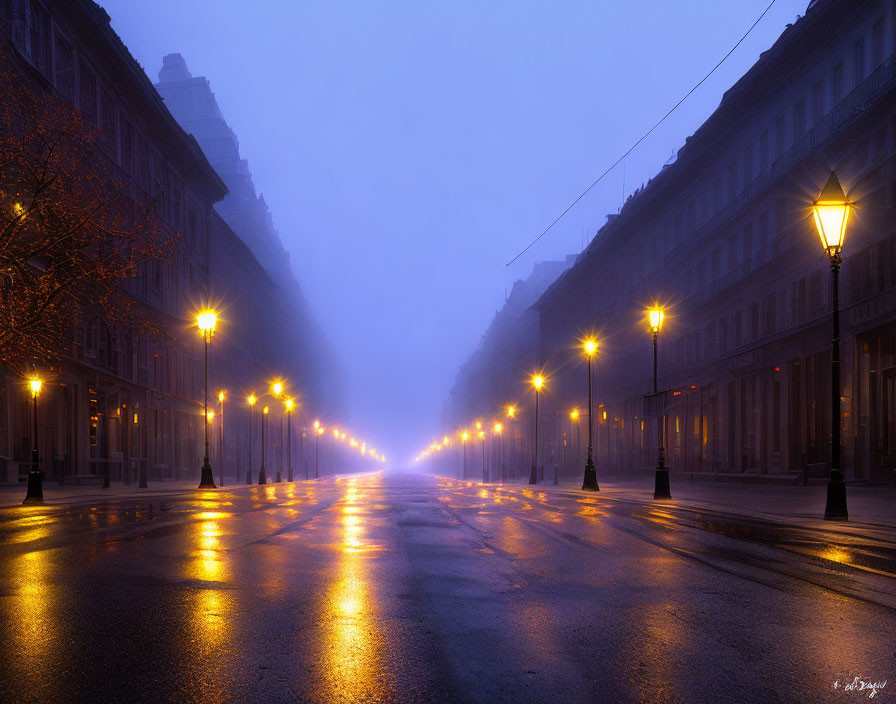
{"points": [[837, 83], [738, 328], [127, 145], [87, 94], [717, 194], [779, 136], [107, 121], [747, 243], [858, 61], [191, 227], [748, 164], [723, 334], [817, 101], [692, 217], [762, 237], [799, 120], [763, 151], [40, 38], [877, 43], [65, 69], [732, 180], [732, 252], [143, 161], [679, 229]]}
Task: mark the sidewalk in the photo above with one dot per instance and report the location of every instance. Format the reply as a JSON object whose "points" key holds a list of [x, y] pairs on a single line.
{"points": [[13, 494], [875, 506]]}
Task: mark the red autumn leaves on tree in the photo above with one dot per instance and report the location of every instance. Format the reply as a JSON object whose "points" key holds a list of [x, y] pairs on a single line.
{"points": [[72, 225]]}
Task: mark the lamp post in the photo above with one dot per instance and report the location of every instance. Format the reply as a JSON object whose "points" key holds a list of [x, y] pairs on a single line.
{"points": [[464, 436], [318, 431], [252, 401], [537, 383], [221, 437], [831, 212], [276, 390], [589, 346], [35, 491], [262, 476], [206, 321], [290, 405], [514, 454], [484, 467], [497, 428], [661, 486]]}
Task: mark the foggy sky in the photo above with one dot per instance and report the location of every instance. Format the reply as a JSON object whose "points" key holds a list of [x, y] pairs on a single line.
{"points": [[407, 150]]}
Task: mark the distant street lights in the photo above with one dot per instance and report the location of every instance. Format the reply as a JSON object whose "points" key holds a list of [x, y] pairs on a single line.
{"points": [[464, 436], [831, 212], [221, 437], [262, 476], [661, 487], [35, 491], [206, 321], [537, 383], [484, 467], [497, 429], [251, 401]]}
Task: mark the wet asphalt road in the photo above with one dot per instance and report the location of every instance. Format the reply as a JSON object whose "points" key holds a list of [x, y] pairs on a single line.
{"points": [[396, 587]]}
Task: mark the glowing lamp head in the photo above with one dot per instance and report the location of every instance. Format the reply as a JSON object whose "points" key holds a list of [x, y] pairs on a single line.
{"points": [[831, 211], [221, 396], [464, 436], [511, 411], [445, 440], [252, 400], [655, 316], [574, 414], [207, 321], [478, 425], [210, 416], [538, 381], [290, 404], [265, 410], [277, 388], [498, 427], [481, 434], [35, 385], [590, 347]]}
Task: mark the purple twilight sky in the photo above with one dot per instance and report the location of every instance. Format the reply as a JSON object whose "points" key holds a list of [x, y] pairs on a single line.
{"points": [[407, 150]]}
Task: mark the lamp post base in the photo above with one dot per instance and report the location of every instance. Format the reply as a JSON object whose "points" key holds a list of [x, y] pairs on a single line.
{"points": [[248, 476], [278, 479], [590, 482], [289, 476], [35, 493], [533, 476], [208, 479], [262, 477], [661, 488], [835, 509]]}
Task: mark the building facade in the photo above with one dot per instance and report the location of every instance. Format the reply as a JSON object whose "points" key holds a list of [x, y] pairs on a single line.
{"points": [[723, 238], [123, 405]]}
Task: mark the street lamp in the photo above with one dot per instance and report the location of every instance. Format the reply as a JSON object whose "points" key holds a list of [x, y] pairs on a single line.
{"points": [[35, 491], [252, 401], [497, 429], [831, 212], [221, 440], [262, 477], [464, 436], [655, 317], [276, 390], [589, 347], [484, 468], [206, 321], [318, 431], [290, 405], [537, 383]]}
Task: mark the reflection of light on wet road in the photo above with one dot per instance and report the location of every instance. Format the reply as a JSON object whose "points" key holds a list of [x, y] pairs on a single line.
{"points": [[352, 647]]}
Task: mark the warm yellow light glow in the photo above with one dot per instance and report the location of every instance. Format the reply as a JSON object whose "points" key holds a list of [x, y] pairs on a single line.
{"points": [[335, 433], [35, 385], [221, 396], [481, 434], [18, 208], [252, 399], [511, 411], [831, 212], [498, 427], [320, 431], [590, 346], [290, 404], [574, 414], [265, 410], [478, 425], [316, 424], [537, 381], [445, 440], [277, 388], [211, 416], [465, 436], [207, 321], [656, 316]]}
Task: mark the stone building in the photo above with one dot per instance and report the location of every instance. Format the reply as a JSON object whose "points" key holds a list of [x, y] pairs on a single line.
{"points": [[723, 238], [123, 405]]}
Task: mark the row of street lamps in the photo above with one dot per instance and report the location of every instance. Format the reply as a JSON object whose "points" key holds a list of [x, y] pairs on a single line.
{"points": [[830, 212]]}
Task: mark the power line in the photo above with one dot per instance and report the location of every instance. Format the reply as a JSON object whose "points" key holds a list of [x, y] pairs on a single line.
{"points": [[643, 136]]}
